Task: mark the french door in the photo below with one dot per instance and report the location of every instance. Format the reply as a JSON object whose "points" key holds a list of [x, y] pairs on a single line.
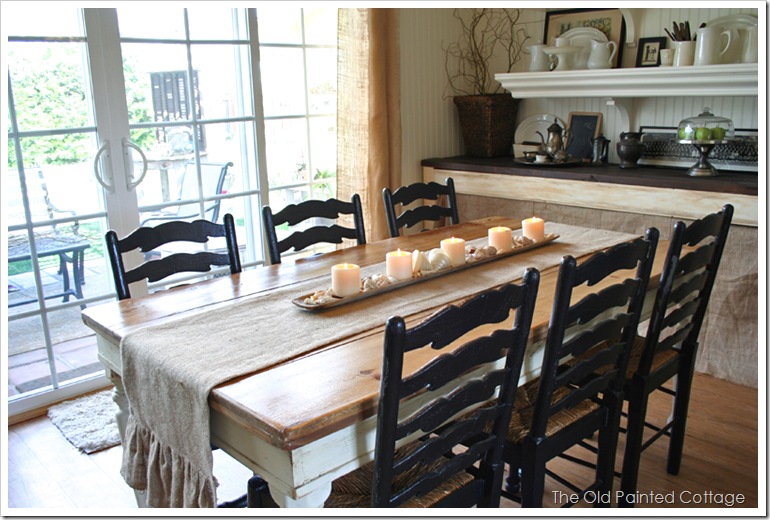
{"points": [[117, 117]]}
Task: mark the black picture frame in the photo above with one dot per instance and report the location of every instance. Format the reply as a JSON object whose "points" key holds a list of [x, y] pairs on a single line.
{"points": [[609, 21], [648, 54], [584, 127]]}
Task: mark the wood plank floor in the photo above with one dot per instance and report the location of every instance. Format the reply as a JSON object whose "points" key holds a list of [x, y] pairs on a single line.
{"points": [[720, 457]]}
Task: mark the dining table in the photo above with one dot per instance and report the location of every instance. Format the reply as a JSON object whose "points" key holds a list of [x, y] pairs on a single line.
{"points": [[310, 417]]}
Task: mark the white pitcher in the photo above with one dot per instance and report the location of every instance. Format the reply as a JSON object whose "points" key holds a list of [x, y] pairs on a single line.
{"points": [[601, 55], [749, 50], [539, 60], [709, 47]]}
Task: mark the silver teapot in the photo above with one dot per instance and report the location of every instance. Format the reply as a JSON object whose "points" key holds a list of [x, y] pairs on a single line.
{"points": [[555, 145]]}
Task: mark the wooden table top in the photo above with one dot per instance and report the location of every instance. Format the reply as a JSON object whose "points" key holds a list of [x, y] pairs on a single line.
{"points": [[340, 382]]}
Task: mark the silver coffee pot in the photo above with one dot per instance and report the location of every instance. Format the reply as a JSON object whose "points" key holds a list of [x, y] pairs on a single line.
{"points": [[555, 145]]}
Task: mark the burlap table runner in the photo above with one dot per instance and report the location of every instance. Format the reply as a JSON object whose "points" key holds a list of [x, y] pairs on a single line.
{"points": [[170, 369]]}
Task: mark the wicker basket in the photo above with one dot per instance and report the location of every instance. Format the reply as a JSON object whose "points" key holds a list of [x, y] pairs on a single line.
{"points": [[488, 123]]}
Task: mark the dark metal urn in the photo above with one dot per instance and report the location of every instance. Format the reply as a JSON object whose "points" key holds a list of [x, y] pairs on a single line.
{"points": [[630, 148]]}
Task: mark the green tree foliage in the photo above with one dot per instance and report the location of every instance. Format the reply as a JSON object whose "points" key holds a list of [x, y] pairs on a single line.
{"points": [[49, 93]]}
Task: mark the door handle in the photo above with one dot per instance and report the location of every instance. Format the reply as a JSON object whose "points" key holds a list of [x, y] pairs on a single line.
{"points": [[105, 148], [131, 184]]}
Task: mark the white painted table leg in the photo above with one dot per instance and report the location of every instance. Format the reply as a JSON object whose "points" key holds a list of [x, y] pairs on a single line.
{"points": [[121, 416], [315, 498]]}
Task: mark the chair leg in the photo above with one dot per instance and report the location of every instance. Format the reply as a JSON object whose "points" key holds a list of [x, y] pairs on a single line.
{"points": [[637, 411], [532, 478], [513, 481], [683, 387], [607, 446], [258, 493]]}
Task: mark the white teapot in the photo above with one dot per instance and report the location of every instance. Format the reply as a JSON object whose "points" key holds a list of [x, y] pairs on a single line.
{"points": [[601, 55]]}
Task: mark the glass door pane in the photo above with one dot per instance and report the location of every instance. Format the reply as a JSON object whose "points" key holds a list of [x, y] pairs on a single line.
{"points": [[191, 110], [55, 212]]}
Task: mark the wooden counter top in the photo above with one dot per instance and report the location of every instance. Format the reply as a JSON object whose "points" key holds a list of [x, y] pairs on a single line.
{"points": [[645, 190], [727, 182]]}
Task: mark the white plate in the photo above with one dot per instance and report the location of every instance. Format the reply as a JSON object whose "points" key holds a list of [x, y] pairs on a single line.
{"points": [[582, 37], [539, 122], [733, 21]]}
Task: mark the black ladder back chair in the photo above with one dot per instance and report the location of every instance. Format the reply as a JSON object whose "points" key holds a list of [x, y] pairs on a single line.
{"points": [[669, 349], [426, 412], [294, 214], [406, 195], [579, 389], [147, 239]]}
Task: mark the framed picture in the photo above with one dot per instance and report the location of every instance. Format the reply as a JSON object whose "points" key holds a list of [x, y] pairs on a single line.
{"points": [[649, 51], [584, 126], [741, 154], [608, 21]]}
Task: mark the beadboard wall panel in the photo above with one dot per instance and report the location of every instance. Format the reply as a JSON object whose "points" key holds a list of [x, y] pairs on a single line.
{"points": [[430, 124]]}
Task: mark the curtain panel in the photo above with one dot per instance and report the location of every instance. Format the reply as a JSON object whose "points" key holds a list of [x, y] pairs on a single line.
{"points": [[368, 111]]}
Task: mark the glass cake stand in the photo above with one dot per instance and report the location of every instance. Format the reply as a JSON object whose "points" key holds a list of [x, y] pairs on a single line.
{"points": [[702, 168]]}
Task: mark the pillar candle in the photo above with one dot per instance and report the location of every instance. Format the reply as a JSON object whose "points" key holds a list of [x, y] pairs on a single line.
{"points": [[500, 238], [533, 228], [346, 279], [398, 264], [455, 250]]}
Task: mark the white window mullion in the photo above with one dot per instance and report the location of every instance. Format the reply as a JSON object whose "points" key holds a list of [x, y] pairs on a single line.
{"points": [[259, 114], [111, 115]]}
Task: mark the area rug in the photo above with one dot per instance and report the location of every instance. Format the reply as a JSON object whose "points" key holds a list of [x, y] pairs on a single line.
{"points": [[88, 422]]}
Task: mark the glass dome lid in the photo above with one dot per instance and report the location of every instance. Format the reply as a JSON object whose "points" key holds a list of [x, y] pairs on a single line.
{"points": [[706, 127]]}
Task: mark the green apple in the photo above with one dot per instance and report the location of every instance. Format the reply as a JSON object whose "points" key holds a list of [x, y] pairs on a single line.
{"points": [[702, 134], [718, 133], [686, 132]]}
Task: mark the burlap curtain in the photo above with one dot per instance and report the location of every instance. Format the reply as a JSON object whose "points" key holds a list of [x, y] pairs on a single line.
{"points": [[368, 111]]}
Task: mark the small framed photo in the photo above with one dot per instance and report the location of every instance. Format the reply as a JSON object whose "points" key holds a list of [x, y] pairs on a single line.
{"points": [[649, 51]]}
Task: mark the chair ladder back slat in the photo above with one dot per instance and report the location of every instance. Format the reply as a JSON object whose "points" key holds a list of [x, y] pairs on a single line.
{"points": [[299, 240], [608, 330], [156, 270], [148, 238], [430, 417], [445, 368], [597, 303], [492, 306]]}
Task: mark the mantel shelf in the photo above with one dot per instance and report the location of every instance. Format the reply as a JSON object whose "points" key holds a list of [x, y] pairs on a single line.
{"points": [[708, 80]]}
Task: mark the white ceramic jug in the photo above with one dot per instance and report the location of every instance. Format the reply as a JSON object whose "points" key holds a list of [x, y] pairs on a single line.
{"points": [[601, 55], [539, 60], [712, 43], [749, 50]]}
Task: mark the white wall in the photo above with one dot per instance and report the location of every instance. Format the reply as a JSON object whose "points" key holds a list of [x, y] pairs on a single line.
{"points": [[430, 124]]}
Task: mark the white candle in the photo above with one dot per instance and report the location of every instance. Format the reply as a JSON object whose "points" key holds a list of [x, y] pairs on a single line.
{"points": [[500, 238], [398, 264], [346, 279], [455, 250], [533, 228]]}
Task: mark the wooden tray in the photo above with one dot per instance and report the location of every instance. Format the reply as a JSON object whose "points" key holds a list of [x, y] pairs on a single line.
{"points": [[300, 301]]}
